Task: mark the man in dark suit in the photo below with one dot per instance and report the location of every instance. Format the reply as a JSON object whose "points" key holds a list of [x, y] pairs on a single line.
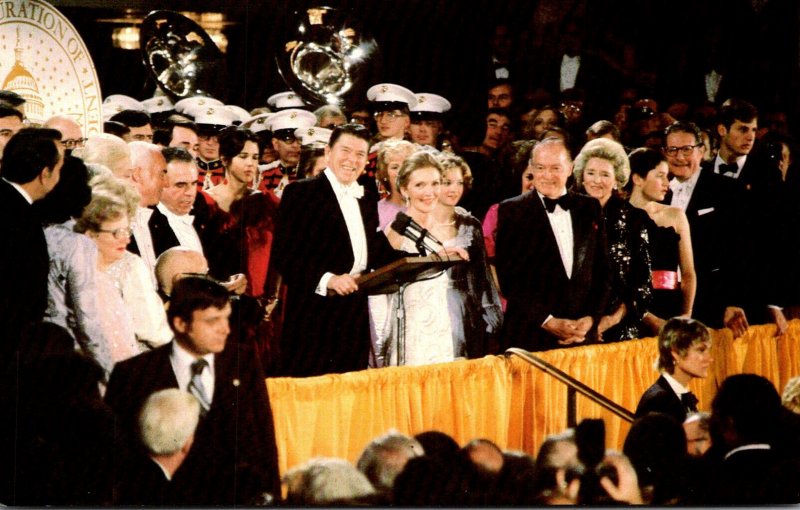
{"points": [[233, 460], [551, 257], [755, 186], [684, 353], [183, 218], [30, 170], [707, 199], [748, 464], [167, 424], [327, 234]]}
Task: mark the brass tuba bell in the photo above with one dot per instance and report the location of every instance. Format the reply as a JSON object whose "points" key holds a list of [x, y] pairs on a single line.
{"points": [[181, 57], [326, 57]]}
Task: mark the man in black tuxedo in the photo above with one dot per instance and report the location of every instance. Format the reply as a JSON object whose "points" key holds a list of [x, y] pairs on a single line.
{"points": [[327, 234], [31, 168], [551, 257], [234, 459], [183, 218], [707, 200], [755, 185], [684, 353]]}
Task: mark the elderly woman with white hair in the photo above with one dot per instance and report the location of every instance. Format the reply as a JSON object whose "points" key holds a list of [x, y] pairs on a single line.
{"points": [[132, 314], [602, 170], [110, 151]]}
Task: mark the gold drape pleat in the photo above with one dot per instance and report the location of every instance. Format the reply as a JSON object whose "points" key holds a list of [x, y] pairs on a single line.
{"points": [[500, 398]]}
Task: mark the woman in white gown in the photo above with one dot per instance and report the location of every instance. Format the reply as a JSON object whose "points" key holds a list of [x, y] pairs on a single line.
{"points": [[418, 321], [126, 298]]}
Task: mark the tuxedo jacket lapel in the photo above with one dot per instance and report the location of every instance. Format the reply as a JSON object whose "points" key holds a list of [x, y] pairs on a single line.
{"points": [[580, 238]]}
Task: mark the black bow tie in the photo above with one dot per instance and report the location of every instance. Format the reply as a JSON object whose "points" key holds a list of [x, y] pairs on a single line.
{"points": [[690, 401], [563, 201], [726, 168]]}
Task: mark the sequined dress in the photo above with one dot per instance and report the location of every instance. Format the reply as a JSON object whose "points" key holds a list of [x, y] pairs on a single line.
{"points": [[629, 253]]}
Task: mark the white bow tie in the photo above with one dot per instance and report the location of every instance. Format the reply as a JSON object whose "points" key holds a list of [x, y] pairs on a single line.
{"points": [[353, 190]]}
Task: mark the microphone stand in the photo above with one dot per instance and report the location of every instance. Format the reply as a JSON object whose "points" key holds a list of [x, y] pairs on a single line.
{"points": [[421, 242], [401, 325]]}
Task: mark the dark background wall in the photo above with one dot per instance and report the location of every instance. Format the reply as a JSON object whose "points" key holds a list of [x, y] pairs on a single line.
{"points": [[441, 46]]}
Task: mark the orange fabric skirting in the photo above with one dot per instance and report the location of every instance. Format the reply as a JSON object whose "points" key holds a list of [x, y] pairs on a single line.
{"points": [[500, 398]]}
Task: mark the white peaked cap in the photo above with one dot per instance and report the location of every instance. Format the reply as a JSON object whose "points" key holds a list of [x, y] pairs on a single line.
{"points": [[314, 134], [389, 92], [258, 122], [292, 118], [191, 103], [431, 103], [284, 100]]}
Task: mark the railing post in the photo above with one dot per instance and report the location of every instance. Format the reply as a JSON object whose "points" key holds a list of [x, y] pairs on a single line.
{"points": [[572, 409]]}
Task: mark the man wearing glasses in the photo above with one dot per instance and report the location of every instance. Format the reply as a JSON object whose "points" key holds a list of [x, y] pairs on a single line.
{"points": [[707, 199], [71, 133], [390, 105]]}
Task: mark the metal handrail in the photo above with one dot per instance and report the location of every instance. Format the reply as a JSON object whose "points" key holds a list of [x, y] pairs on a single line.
{"points": [[574, 385]]}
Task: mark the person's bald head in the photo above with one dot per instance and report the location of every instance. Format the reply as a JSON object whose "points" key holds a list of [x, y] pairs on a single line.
{"points": [[175, 262], [69, 129], [149, 167]]}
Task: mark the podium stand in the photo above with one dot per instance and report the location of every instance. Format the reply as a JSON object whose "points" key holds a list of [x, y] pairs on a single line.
{"points": [[395, 277], [391, 277]]}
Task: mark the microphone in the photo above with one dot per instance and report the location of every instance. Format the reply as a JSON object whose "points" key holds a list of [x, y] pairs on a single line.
{"points": [[405, 225]]}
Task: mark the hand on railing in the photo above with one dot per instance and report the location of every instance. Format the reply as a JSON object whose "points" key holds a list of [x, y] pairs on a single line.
{"points": [[736, 320]]}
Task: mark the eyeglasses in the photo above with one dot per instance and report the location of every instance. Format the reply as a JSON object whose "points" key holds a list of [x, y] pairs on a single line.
{"points": [[120, 233], [393, 114], [73, 143], [686, 150]]}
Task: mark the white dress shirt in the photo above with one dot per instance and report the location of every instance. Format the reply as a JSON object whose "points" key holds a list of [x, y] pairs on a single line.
{"points": [[561, 222], [347, 196], [677, 387], [183, 228], [682, 191], [569, 71], [181, 361], [740, 161], [144, 240]]}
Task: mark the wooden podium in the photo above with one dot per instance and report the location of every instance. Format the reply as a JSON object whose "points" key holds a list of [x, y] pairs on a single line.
{"points": [[391, 277]]}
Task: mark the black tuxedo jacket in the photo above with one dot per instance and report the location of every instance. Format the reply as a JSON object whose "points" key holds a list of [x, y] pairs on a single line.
{"points": [[323, 334], [710, 213], [531, 273], [219, 247], [234, 457], [748, 263], [660, 398], [24, 266]]}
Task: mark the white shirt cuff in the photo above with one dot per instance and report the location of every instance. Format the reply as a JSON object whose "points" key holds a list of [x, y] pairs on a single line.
{"points": [[547, 319], [322, 286]]}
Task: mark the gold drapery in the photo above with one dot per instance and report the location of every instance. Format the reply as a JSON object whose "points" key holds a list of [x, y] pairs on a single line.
{"points": [[500, 398]]}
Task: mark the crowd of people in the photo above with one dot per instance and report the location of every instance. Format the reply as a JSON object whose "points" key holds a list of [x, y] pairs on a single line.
{"points": [[201, 247]]}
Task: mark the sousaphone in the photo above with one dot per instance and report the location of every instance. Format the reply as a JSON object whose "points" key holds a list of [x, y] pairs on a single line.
{"points": [[327, 57], [181, 57]]}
